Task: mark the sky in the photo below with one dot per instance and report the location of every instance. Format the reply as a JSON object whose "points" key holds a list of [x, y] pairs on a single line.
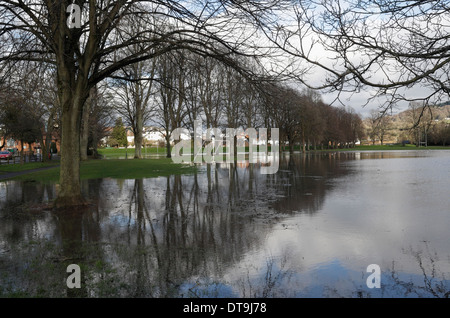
{"points": [[358, 102]]}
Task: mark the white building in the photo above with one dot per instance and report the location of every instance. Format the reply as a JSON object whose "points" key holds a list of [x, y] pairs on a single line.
{"points": [[152, 136]]}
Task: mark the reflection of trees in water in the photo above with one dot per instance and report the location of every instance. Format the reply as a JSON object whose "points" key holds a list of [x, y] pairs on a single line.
{"points": [[190, 237], [44, 243], [176, 228], [430, 281], [20, 206], [435, 282], [203, 225], [303, 180], [173, 236], [272, 280]]}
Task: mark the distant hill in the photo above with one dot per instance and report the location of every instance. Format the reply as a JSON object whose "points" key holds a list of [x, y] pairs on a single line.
{"points": [[397, 127], [439, 112]]}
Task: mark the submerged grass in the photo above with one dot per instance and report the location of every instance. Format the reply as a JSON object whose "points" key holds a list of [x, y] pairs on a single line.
{"points": [[115, 168], [399, 147], [384, 148], [114, 153]]}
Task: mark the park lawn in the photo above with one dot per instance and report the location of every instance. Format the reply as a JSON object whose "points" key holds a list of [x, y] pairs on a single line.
{"points": [[5, 168], [115, 168], [114, 153]]}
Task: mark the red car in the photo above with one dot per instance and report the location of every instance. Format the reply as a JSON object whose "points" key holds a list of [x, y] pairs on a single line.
{"points": [[5, 155]]}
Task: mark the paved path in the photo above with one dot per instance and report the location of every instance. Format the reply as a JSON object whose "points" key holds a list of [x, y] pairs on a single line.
{"points": [[8, 175]]}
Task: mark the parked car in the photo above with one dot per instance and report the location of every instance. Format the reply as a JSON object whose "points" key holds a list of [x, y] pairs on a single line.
{"points": [[5, 155]]}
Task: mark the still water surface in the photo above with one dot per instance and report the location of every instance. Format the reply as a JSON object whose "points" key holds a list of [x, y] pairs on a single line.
{"points": [[311, 230]]}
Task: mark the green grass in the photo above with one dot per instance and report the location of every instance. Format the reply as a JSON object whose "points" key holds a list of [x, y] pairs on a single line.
{"points": [[5, 168], [115, 168], [114, 153]]}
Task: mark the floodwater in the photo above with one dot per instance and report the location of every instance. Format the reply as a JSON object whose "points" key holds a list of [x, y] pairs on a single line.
{"points": [[311, 230]]}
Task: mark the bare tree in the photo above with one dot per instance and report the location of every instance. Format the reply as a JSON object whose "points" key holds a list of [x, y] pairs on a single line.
{"points": [[100, 118], [311, 123], [35, 30], [210, 91], [380, 126], [135, 93], [283, 107], [420, 119], [356, 127], [231, 97], [51, 111], [171, 109], [135, 86], [192, 89]]}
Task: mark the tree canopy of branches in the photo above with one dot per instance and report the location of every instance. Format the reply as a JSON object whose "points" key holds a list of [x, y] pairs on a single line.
{"points": [[37, 30], [397, 50]]}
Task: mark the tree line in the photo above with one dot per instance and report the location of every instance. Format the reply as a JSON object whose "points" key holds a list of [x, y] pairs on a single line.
{"points": [[170, 92], [408, 46], [181, 87]]}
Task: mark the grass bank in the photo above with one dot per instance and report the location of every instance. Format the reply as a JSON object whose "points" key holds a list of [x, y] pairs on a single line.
{"points": [[7, 168], [115, 168]]}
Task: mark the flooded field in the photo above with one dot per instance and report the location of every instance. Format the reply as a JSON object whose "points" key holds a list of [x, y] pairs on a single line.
{"points": [[311, 230]]}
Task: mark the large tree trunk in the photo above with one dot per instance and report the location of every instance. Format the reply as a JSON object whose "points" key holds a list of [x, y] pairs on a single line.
{"points": [[70, 183]]}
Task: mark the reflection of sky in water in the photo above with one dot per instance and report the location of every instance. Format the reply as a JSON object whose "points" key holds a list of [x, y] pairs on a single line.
{"points": [[311, 230], [390, 212], [375, 214]]}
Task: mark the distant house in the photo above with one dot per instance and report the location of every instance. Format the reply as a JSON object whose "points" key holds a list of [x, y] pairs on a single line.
{"points": [[154, 135], [151, 136]]}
